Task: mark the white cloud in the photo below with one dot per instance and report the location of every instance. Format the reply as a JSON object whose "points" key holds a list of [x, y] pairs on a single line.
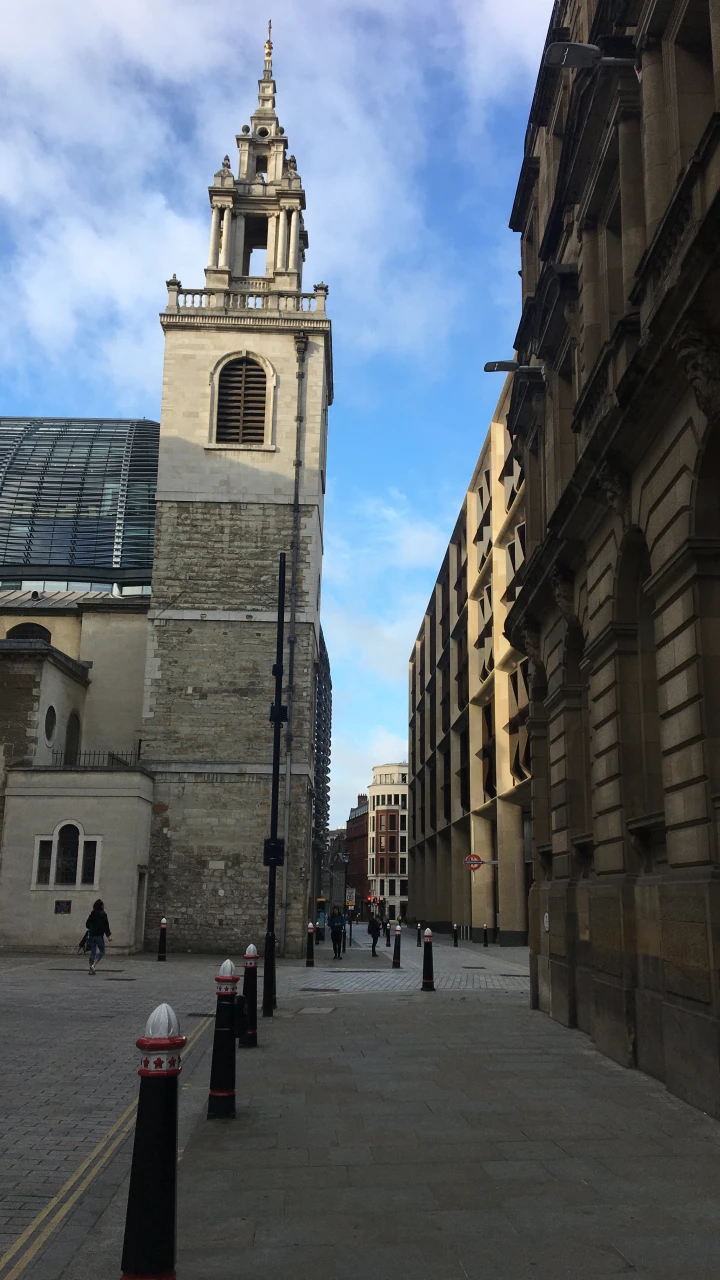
{"points": [[116, 116], [352, 765]]}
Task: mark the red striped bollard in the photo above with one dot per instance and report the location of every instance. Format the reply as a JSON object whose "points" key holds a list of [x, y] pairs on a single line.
{"points": [[151, 1218], [221, 1100], [419, 934], [428, 983], [310, 953], [396, 950], [250, 964], [455, 935], [162, 940]]}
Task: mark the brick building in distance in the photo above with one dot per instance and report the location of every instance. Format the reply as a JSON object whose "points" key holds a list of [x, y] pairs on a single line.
{"points": [[356, 845]]}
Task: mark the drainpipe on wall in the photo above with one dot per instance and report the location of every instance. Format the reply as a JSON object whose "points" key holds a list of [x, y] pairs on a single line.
{"points": [[300, 351]]}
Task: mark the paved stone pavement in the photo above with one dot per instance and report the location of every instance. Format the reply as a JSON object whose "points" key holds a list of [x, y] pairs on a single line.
{"points": [[454, 1134]]}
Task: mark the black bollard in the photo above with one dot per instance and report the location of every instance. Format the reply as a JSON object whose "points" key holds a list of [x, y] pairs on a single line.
{"points": [[344, 939], [221, 1101], [250, 984], [396, 950], [455, 935], [310, 953], [419, 934], [387, 933], [485, 941], [428, 983], [350, 941], [162, 940], [150, 1221]]}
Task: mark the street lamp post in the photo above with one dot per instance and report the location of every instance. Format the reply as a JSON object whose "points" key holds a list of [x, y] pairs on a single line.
{"points": [[274, 853]]}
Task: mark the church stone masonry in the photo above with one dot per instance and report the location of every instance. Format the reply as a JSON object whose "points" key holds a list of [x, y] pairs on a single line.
{"points": [[246, 388], [618, 423]]}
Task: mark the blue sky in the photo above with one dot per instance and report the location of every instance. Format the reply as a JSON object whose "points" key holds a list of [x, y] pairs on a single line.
{"points": [[407, 119]]}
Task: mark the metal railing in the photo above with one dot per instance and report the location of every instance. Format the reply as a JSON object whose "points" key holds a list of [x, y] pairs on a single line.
{"points": [[95, 759]]}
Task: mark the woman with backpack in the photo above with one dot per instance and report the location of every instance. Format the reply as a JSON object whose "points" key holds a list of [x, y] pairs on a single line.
{"points": [[98, 928]]}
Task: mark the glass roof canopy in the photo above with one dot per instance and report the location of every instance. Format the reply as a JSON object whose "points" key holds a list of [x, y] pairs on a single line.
{"points": [[77, 498]]}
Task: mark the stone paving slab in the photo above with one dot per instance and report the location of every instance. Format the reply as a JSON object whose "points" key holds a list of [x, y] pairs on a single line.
{"points": [[401, 1171]]}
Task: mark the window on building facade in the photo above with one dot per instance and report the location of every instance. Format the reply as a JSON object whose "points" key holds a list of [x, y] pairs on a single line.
{"points": [[382, 821], [403, 799], [391, 888], [391, 912], [403, 887], [382, 865], [396, 799], [403, 822], [372, 824], [372, 866], [403, 844], [403, 777], [372, 844], [29, 631], [403, 866], [382, 887], [242, 391], [382, 844], [383, 800], [67, 860], [392, 844], [392, 866], [392, 821]]}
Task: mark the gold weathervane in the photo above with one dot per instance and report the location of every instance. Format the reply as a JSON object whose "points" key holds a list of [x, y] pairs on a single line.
{"points": [[268, 43]]}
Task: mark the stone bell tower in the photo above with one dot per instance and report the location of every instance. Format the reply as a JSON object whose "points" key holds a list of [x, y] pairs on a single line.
{"points": [[246, 388]]}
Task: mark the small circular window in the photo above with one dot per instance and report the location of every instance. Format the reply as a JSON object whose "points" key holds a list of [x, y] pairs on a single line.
{"points": [[50, 723], [263, 133]]}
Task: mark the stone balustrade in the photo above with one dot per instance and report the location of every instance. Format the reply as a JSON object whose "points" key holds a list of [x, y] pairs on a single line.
{"points": [[257, 295]]}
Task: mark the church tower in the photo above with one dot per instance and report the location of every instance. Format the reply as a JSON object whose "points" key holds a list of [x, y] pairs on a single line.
{"points": [[246, 388]]}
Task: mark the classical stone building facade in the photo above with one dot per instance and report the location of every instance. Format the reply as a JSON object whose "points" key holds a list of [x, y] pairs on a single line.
{"points": [[246, 388], [387, 841], [469, 748], [618, 424]]}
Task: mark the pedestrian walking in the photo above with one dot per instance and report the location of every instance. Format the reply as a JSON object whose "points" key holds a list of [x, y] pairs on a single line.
{"points": [[98, 928], [337, 925], [374, 931]]}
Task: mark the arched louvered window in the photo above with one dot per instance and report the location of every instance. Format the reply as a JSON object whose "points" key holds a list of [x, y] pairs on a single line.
{"points": [[242, 392], [29, 631]]}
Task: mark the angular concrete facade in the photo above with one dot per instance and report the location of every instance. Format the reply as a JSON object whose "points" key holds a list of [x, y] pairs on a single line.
{"points": [[229, 501], [469, 746], [619, 613]]}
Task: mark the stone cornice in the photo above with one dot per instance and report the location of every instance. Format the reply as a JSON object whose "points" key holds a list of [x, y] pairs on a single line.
{"points": [[288, 321]]}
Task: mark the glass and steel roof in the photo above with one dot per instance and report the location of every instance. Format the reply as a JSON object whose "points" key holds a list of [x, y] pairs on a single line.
{"points": [[78, 493]]}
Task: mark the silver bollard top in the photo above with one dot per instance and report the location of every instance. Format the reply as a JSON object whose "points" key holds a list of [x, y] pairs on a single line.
{"points": [[226, 969], [163, 922], [311, 927], [398, 928], [162, 1024], [252, 950], [428, 934]]}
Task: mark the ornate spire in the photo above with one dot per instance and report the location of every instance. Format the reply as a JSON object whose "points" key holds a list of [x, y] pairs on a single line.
{"points": [[266, 86]]}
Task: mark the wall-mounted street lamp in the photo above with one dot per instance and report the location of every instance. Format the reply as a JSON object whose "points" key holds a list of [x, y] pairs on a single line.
{"points": [[582, 57], [512, 366]]}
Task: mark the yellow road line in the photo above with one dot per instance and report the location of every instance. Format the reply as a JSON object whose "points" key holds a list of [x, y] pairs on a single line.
{"points": [[96, 1157]]}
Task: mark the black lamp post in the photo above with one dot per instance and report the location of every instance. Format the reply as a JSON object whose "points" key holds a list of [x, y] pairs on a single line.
{"points": [[274, 853]]}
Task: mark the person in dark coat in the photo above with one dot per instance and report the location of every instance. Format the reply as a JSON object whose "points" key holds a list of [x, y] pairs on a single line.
{"points": [[98, 928], [337, 928], [374, 931]]}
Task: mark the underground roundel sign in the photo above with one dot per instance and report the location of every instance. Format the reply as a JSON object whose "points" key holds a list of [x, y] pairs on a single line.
{"points": [[473, 862]]}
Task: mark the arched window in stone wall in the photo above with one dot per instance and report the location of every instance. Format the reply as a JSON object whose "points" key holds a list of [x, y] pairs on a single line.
{"points": [[241, 403], [640, 754], [29, 631]]}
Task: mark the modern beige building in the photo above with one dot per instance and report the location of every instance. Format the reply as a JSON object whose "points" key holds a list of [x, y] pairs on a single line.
{"points": [[618, 424], [387, 840], [469, 750]]}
